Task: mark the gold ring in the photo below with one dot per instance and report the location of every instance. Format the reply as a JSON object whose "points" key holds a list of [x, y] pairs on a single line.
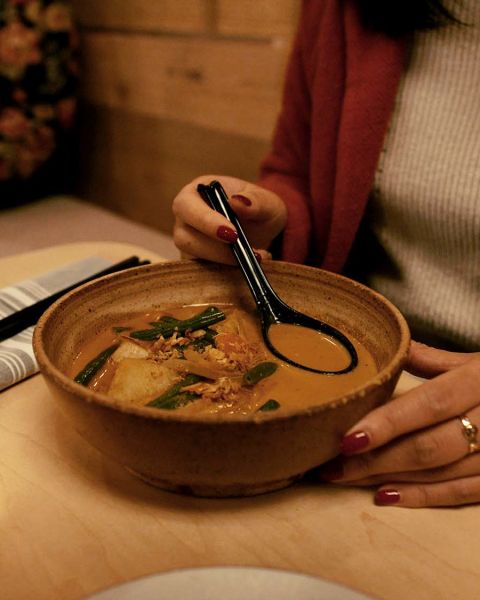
{"points": [[470, 433]]}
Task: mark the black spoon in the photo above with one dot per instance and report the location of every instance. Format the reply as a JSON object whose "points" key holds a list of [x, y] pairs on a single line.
{"points": [[272, 310]]}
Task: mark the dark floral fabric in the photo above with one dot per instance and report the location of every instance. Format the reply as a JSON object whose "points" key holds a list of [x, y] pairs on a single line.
{"points": [[38, 72]]}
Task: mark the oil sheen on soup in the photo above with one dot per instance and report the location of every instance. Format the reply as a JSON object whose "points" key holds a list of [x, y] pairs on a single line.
{"points": [[211, 360]]}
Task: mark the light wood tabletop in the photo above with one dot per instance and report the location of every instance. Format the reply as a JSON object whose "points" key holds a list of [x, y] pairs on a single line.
{"points": [[72, 522]]}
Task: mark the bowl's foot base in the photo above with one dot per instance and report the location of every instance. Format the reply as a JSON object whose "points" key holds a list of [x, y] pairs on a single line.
{"points": [[220, 491]]}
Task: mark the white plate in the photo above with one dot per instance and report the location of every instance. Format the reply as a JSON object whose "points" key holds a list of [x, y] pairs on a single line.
{"points": [[229, 583]]}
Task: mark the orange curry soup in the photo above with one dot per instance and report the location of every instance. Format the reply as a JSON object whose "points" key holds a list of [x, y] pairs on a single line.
{"points": [[212, 360]]}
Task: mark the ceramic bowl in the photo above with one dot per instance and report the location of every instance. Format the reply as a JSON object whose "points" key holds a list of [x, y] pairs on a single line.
{"points": [[232, 456]]}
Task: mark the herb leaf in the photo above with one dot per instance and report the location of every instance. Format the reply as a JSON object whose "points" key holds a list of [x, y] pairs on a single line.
{"points": [[259, 372]]}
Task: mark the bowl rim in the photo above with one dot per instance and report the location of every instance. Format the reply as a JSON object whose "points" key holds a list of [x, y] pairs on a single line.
{"points": [[47, 367]]}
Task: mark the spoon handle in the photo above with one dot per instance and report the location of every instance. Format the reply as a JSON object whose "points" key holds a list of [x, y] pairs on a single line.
{"points": [[271, 308], [261, 290]]}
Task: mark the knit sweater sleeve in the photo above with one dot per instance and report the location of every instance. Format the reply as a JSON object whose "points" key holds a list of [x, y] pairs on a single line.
{"points": [[285, 169]]}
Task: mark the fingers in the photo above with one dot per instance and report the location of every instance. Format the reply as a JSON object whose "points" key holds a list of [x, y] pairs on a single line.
{"points": [[430, 448], [191, 211], [425, 361], [422, 451], [455, 491], [262, 205], [200, 231], [468, 466], [415, 446], [447, 396], [447, 493], [452, 485], [197, 245]]}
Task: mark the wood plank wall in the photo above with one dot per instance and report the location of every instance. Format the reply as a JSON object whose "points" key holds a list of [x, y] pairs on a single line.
{"points": [[172, 89]]}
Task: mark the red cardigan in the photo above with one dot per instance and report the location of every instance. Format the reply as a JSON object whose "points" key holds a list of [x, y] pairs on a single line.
{"points": [[339, 94]]}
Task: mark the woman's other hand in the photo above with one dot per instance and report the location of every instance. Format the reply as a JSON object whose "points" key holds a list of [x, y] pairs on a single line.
{"points": [[416, 447], [201, 232]]}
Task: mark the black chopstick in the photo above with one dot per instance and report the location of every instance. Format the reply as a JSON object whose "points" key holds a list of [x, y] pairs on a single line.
{"points": [[28, 316]]}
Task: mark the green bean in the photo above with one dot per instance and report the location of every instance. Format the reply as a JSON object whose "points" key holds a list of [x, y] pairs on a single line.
{"points": [[170, 399], [207, 317], [269, 405], [120, 329], [95, 365], [166, 319], [177, 401], [259, 372]]}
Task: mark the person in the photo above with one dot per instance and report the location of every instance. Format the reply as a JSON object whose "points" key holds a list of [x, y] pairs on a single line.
{"points": [[374, 171]]}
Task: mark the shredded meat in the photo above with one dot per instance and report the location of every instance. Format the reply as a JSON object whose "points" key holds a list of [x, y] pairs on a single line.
{"points": [[234, 353], [224, 389], [168, 348]]}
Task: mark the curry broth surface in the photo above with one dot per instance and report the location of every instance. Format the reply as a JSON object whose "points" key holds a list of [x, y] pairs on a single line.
{"points": [[291, 387]]}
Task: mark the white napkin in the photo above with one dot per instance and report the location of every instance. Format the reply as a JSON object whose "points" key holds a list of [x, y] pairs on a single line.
{"points": [[16, 354]]}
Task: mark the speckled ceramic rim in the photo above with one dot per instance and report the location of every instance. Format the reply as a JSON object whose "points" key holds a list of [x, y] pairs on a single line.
{"points": [[66, 383]]}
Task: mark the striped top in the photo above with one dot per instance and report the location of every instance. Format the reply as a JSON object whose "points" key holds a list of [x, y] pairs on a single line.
{"points": [[420, 239]]}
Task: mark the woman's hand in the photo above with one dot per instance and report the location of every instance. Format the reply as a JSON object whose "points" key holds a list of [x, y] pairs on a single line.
{"points": [[415, 447], [202, 232]]}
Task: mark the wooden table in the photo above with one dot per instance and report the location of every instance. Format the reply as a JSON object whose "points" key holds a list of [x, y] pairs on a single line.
{"points": [[72, 522]]}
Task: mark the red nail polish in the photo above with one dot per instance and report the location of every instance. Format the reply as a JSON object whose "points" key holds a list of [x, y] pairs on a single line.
{"points": [[358, 440], [242, 199], [386, 497], [330, 471], [227, 234]]}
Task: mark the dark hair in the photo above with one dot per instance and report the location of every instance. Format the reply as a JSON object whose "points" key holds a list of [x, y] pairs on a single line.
{"points": [[400, 17]]}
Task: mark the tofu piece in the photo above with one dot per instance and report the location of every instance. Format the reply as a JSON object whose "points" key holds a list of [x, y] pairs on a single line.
{"points": [[230, 325], [138, 380], [129, 349]]}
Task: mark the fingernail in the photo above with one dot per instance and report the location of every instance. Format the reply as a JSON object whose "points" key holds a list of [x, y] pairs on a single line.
{"points": [[330, 471], [387, 496], [242, 199], [353, 442], [258, 256], [227, 234]]}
